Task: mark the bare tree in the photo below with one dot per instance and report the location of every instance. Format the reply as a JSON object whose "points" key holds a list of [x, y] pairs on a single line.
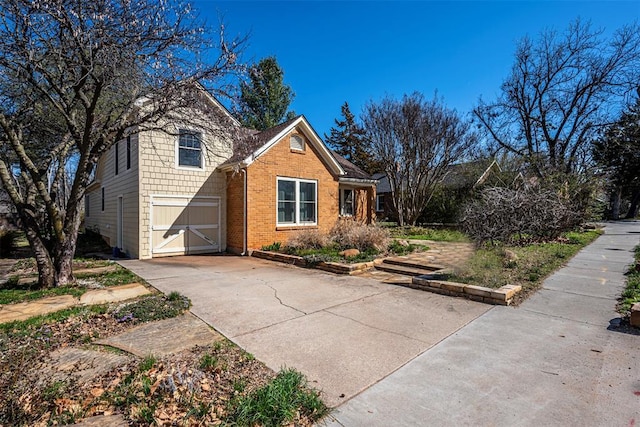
{"points": [[77, 76], [562, 90], [416, 141]]}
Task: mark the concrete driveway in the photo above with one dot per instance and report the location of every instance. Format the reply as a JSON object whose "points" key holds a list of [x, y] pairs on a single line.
{"points": [[344, 333]]}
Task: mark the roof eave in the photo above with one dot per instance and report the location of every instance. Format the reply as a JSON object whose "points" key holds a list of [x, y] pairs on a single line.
{"points": [[358, 181], [228, 167]]}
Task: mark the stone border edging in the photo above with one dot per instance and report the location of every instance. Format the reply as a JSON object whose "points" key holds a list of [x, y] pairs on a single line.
{"points": [[500, 296], [634, 319], [332, 267], [24, 310], [427, 282]]}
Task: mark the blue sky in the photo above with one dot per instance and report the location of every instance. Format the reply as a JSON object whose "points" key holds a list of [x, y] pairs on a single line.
{"points": [[332, 52]]}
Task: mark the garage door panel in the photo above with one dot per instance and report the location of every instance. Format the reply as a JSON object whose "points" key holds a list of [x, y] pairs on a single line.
{"points": [[169, 241], [170, 216], [183, 225], [200, 237], [203, 215]]}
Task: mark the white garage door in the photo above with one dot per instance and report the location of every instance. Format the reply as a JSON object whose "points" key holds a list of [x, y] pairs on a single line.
{"points": [[182, 225]]}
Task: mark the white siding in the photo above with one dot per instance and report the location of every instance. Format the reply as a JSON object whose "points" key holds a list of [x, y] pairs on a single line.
{"points": [[125, 184], [160, 175]]}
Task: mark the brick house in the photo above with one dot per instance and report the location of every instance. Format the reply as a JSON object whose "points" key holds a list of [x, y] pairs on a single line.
{"points": [[186, 192], [284, 180]]}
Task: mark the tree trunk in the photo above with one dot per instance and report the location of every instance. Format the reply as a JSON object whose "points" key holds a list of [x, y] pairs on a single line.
{"points": [[64, 259], [46, 270], [633, 209], [615, 200], [66, 247], [64, 262]]}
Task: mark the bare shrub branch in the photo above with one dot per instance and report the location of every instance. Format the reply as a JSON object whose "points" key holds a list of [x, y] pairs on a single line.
{"points": [[352, 234], [514, 216]]}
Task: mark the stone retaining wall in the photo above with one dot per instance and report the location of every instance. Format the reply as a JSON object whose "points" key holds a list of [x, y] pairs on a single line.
{"points": [[501, 296], [278, 257], [332, 267]]}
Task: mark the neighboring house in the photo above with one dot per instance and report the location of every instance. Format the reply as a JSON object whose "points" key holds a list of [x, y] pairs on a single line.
{"points": [[384, 200], [156, 194], [459, 177]]}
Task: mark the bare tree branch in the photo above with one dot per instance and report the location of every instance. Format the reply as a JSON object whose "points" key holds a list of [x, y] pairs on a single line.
{"points": [[415, 141], [562, 90], [75, 78]]}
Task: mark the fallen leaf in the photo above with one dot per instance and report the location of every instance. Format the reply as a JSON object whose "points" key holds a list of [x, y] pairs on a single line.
{"points": [[97, 391]]}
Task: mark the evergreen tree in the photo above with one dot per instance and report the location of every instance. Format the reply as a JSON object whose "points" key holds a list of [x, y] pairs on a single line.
{"points": [[618, 152], [348, 139], [264, 100]]}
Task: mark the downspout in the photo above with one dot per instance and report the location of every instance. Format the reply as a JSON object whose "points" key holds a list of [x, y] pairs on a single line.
{"points": [[244, 214]]}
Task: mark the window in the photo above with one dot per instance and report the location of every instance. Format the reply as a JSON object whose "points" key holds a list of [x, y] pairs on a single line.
{"points": [[346, 202], [87, 206], [296, 142], [117, 159], [380, 203], [190, 149], [102, 199], [128, 152], [297, 202]]}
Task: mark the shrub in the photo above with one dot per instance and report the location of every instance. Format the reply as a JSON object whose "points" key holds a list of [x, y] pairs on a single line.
{"points": [[7, 242], [511, 216], [399, 249], [274, 247], [631, 293], [308, 239], [91, 241], [352, 234], [315, 259]]}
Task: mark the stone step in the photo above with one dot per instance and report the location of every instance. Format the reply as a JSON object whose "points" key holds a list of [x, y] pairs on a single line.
{"points": [[401, 269]]}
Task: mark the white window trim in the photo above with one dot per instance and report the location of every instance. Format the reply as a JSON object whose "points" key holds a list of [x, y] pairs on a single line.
{"points": [[177, 149], [380, 207], [116, 158], [297, 222], [342, 202], [128, 149]]}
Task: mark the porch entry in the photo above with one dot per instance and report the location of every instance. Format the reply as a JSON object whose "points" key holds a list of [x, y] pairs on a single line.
{"points": [[182, 225]]}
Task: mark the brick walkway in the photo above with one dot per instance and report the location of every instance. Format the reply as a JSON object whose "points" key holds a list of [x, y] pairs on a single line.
{"points": [[445, 254]]}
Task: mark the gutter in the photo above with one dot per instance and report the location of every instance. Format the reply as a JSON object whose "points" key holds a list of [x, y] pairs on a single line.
{"points": [[244, 214], [358, 181]]}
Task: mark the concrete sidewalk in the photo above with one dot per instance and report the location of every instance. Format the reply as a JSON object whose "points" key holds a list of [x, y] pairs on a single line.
{"points": [[558, 359]]}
